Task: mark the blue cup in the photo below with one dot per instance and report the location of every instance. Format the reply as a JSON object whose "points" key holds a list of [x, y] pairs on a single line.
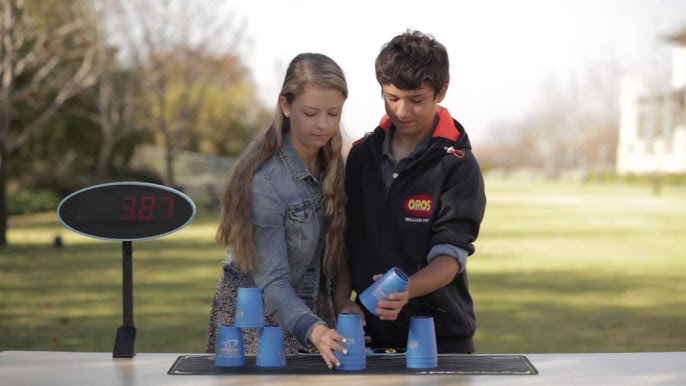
{"points": [[229, 349], [394, 280], [421, 343], [249, 307], [270, 349], [350, 326]]}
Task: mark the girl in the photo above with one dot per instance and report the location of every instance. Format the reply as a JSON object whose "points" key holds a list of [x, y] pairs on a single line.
{"points": [[283, 215]]}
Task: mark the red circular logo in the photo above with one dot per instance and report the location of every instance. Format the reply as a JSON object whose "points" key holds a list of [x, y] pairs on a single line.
{"points": [[419, 205]]}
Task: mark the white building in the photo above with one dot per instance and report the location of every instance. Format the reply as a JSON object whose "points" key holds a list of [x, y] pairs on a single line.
{"points": [[652, 127]]}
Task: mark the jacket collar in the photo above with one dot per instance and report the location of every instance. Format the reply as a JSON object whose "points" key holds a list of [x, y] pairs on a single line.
{"points": [[290, 157]]}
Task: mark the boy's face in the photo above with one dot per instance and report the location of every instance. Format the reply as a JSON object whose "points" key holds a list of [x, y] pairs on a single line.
{"points": [[412, 111]]}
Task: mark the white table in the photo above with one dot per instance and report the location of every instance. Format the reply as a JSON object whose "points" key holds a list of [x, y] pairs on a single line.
{"points": [[36, 368]]}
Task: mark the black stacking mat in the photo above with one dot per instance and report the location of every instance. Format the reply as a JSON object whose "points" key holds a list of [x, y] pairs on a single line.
{"points": [[450, 364]]}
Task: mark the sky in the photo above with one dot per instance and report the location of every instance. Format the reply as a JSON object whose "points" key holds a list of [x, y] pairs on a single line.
{"points": [[501, 52]]}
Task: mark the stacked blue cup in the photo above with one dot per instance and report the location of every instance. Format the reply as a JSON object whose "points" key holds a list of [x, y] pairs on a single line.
{"points": [[249, 307], [394, 280], [421, 343], [270, 349], [229, 349], [350, 326]]}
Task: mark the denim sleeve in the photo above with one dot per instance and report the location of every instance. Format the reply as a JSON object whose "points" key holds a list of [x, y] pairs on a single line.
{"points": [[446, 249], [272, 272]]}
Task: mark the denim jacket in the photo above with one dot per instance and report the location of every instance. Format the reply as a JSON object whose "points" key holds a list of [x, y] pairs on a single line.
{"points": [[288, 218]]}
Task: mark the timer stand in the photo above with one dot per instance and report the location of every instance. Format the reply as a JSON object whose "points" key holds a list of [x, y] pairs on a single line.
{"points": [[126, 211], [126, 334]]}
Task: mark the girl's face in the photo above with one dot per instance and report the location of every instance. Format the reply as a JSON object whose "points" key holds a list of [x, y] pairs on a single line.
{"points": [[315, 117]]}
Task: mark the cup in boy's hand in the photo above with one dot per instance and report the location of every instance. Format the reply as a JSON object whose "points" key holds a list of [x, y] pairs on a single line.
{"points": [[394, 280]]}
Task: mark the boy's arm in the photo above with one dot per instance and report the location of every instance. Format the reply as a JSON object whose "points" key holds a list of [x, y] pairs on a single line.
{"points": [[455, 229], [438, 273], [463, 205]]}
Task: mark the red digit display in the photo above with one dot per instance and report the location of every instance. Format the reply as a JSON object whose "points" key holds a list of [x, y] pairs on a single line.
{"points": [[170, 205], [143, 208], [129, 208], [147, 208]]}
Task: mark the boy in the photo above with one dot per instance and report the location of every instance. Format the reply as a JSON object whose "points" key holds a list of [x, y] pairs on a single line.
{"points": [[415, 200]]}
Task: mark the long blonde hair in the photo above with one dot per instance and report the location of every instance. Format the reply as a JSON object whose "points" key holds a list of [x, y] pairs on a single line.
{"points": [[235, 227]]}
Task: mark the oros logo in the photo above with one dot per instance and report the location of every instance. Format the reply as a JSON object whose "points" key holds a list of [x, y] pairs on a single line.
{"points": [[419, 205]]}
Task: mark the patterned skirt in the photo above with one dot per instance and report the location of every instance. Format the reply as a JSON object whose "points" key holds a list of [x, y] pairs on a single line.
{"points": [[224, 309]]}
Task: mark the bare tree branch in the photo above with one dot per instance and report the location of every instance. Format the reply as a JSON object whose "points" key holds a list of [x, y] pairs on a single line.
{"points": [[38, 51]]}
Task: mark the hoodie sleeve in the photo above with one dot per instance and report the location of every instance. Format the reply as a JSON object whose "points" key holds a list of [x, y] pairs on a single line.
{"points": [[462, 204]]}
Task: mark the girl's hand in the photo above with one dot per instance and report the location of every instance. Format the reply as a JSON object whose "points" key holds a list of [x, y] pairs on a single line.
{"points": [[327, 340]]}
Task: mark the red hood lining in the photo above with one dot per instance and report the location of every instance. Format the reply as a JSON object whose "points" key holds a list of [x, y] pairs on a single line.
{"points": [[445, 128]]}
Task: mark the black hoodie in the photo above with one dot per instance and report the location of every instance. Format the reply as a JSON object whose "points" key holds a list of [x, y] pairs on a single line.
{"points": [[438, 199]]}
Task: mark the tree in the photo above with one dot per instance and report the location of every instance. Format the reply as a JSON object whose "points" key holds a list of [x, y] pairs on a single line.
{"points": [[231, 113], [115, 104], [112, 101], [47, 57], [167, 44]]}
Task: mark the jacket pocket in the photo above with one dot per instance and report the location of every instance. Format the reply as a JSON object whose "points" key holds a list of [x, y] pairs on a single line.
{"points": [[300, 213], [302, 235]]}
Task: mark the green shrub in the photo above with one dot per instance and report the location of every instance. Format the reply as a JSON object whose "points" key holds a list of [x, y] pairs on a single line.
{"points": [[32, 201]]}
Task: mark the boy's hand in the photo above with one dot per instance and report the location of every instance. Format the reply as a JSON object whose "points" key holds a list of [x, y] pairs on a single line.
{"points": [[389, 309], [352, 308]]}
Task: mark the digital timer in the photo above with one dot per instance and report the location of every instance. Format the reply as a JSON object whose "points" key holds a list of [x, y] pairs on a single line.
{"points": [[126, 211]]}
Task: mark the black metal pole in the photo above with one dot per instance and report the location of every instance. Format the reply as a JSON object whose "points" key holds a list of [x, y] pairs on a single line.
{"points": [[127, 283], [126, 334]]}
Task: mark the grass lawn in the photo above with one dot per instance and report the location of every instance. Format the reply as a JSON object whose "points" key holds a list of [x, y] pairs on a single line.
{"points": [[575, 268], [558, 268]]}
